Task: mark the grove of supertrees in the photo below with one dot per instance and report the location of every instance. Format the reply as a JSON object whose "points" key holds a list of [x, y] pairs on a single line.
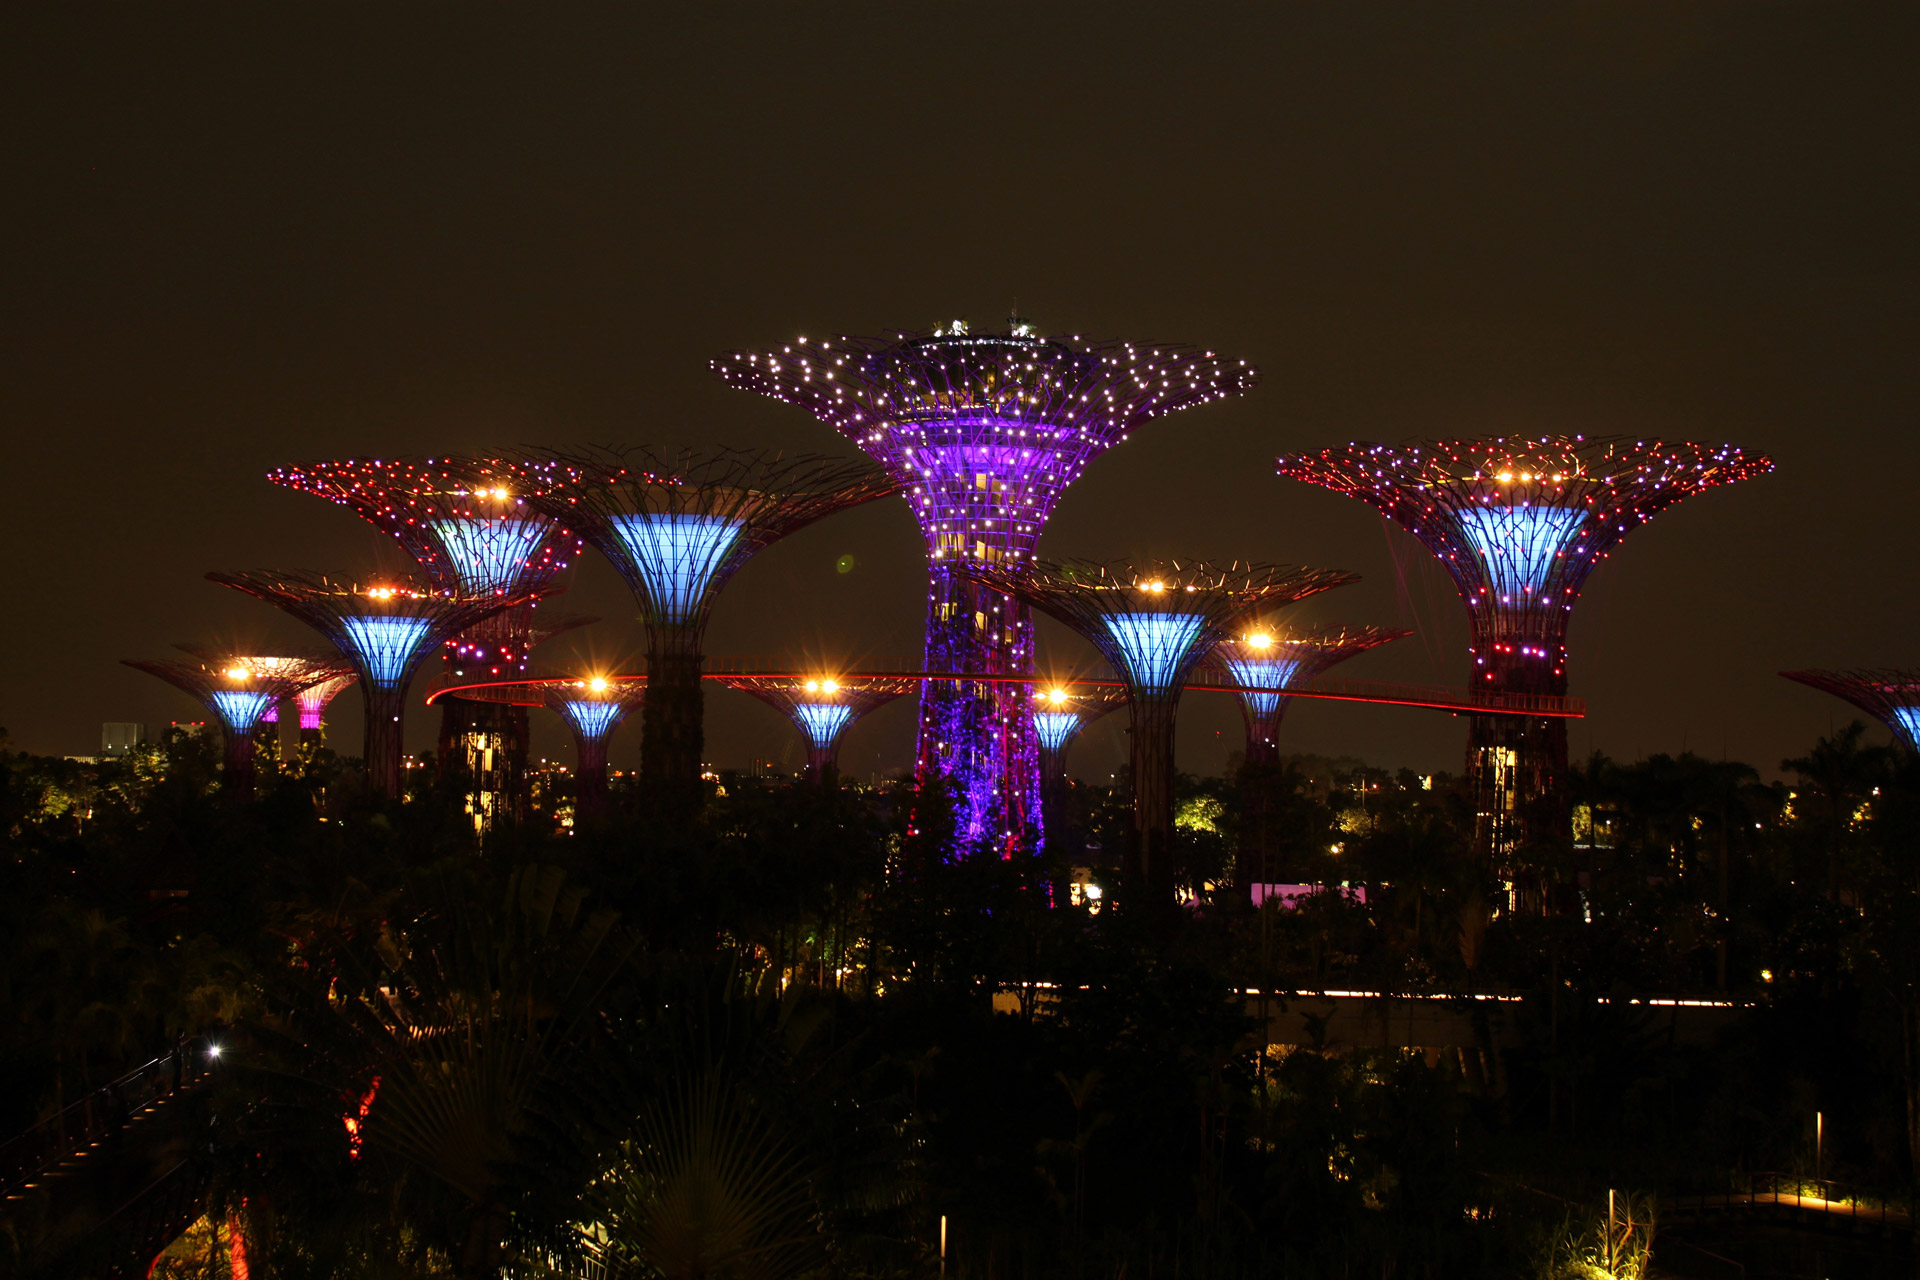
{"points": [[385, 628], [1264, 662], [239, 689], [823, 708], [1519, 522], [677, 527], [1891, 697], [468, 525], [1154, 623], [983, 432]]}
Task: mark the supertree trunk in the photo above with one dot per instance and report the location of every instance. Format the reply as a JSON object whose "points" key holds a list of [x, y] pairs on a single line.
{"points": [[487, 742], [238, 779], [590, 782], [1150, 759], [672, 734], [979, 734], [384, 747]]}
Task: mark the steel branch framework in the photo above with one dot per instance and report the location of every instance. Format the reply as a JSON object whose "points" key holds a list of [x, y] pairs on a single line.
{"points": [[310, 701], [677, 527], [823, 708], [1154, 623], [1519, 522], [1889, 696], [1264, 662], [983, 432], [385, 629], [239, 689]]}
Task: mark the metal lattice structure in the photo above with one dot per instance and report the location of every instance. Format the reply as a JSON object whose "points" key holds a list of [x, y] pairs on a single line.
{"points": [[239, 689], [677, 527], [1889, 696], [983, 433], [1519, 523], [311, 701], [385, 629], [312, 704], [468, 524], [593, 707], [1264, 662], [823, 708], [1154, 623]]}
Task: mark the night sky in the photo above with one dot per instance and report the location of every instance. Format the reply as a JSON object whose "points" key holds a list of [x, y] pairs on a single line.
{"points": [[240, 237]]}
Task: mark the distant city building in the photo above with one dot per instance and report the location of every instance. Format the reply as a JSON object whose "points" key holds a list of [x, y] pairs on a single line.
{"points": [[118, 738]]}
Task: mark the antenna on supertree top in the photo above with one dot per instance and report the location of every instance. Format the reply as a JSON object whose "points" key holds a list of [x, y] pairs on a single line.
{"points": [[1266, 660], [1890, 696], [468, 524], [677, 527], [984, 432], [239, 690], [385, 628], [1154, 623], [823, 708], [1520, 521]]}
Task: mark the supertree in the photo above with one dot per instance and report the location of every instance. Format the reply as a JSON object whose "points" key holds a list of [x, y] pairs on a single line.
{"points": [[316, 694], [1891, 697], [1061, 711], [385, 629], [593, 707], [1154, 623], [239, 690], [677, 527], [469, 526], [312, 704], [823, 708], [1520, 522], [1265, 661], [984, 432]]}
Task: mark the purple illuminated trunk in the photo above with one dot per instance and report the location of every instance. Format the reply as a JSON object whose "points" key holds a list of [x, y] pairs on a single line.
{"points": [[979, 734]]}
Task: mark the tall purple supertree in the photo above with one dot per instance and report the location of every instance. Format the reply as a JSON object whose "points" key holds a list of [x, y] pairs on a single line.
{"points": [[1154, 623], [385, 628], [984, 432], [823, 708], [1267, 660], [239, 690], [469, 525], [1889, 696], [1520, 522], [677, 527]]}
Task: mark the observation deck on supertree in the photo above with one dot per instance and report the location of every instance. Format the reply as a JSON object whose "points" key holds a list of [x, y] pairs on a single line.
{"points": [[1154, 623], [677, 527], [469, 526], [385, 628], [239, 690], [823, 708], [1519, 522], [1889, 696], [1265, 661], [984, 432]]}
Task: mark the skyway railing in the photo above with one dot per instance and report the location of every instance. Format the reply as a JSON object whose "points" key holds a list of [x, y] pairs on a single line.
{"points": [[1332, 689]]}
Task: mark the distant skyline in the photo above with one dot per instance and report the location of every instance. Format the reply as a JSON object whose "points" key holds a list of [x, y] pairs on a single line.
{"points": [[247, 238]]}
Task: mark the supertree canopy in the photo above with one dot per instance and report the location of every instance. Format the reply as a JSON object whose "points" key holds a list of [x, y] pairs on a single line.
{"points": [[677, 527], [240, 689], [312, 703], [1153, 623], [983, 432], [823, 708], [311, 700], [593, 707], [1264, 661], [385, 628], [469, 525], [1891, 697], [1520, 522]]}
